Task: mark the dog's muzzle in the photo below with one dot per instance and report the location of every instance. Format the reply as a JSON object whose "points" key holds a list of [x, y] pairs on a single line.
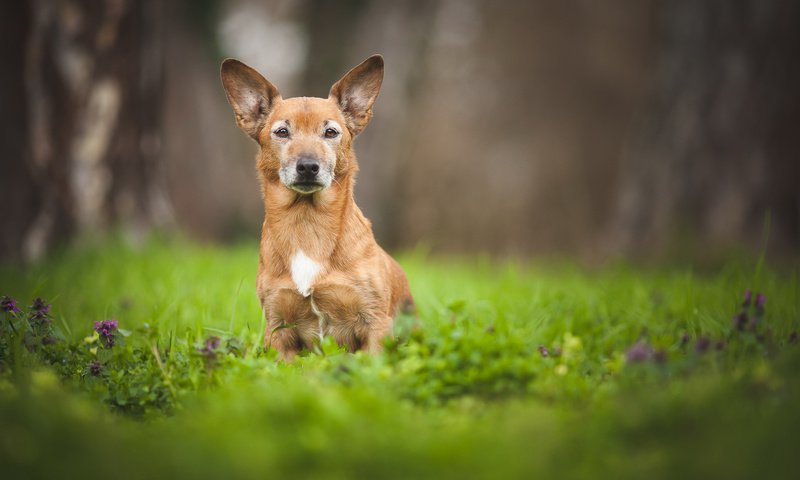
{"points": [[308, 177], [307, 170]]}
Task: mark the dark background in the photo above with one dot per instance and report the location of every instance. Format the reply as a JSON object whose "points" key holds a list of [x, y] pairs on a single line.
{"points": [[640, 128]]}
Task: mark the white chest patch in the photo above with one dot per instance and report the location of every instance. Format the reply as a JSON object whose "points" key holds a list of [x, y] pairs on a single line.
{"points": [[304, 270]]}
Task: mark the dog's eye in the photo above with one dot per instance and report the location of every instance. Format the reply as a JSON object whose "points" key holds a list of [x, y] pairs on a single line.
{"points": [[331, 133], [282, 132]]}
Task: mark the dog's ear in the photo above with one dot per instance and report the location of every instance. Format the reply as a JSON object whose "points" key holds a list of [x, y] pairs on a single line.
{"points": [[356, 92], [250, 95]]}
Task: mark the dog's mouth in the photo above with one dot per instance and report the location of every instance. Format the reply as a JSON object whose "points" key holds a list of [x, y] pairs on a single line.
{"points": [[306, 188]]}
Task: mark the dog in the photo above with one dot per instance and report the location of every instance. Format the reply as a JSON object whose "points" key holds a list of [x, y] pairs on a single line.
{"points": [[321, 272]]}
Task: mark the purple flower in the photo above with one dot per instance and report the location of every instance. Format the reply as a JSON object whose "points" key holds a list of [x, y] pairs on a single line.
{"points": [[8, 304], [209, 347], [702, 345], [639, 352], [107, 329], [212, 343], [748, 297], [761, 300], [95, 368], [39, 313], [743, 321], [40, 308], [543, 351]]}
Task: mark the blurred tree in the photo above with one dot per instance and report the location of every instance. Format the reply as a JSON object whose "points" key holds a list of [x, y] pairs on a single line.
{"points": [[331, 26], [515, 114], [85, 118], [16, 182], [716, 148], [513, 127]]}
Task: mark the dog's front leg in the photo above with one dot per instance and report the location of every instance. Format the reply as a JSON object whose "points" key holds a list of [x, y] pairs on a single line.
{"points": [[286, 315], [284, 339], [379, 328]]}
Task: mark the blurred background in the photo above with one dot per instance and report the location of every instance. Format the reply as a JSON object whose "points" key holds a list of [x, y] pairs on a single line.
{"points": [[637, 128]]}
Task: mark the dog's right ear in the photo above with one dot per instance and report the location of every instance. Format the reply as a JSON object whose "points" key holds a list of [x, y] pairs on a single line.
{"points": [[250, 95], [356, 92]]}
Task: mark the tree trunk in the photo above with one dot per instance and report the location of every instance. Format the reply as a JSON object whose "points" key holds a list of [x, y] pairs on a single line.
{"points": [[716, 154], [17, 198], [87, 108]]}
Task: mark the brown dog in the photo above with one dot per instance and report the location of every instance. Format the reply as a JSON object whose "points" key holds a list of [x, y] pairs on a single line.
{"points": [[320, 270]]}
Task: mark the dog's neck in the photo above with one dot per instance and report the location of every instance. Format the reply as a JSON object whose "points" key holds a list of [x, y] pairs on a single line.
{"points": [[324, 226]]}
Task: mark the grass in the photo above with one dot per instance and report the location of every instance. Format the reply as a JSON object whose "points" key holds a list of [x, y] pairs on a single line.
{"points": [[518, 370]]}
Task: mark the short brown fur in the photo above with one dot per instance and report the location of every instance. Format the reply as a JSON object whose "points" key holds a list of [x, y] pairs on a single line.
{"points": [[358, 287]]}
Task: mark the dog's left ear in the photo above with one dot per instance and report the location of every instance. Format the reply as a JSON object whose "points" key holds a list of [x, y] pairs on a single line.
{"points": [[250, 94], [356, 92]]}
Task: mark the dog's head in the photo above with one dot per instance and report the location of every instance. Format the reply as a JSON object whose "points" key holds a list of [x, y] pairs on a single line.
{"points": [[305, 142]]}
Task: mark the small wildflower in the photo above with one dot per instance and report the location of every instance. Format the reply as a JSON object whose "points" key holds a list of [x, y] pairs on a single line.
{"points": [[213, 343], [39, 313], [639, 352], [40, 307], [95, 368], [8, 304], [761, 300], [702, 345], [793, 338], [543, 351], [210, 346], [748, 297], [743, 321], [684, 339], [107, 330]]}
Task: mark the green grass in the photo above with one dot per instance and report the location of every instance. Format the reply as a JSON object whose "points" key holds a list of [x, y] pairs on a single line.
{"points": [[469, 395]]}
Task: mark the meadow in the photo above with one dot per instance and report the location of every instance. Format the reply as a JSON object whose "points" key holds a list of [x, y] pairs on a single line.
{"points": [[149, 361]]}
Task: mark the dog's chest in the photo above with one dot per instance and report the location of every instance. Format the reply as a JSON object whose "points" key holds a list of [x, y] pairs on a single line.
{"points": [[319, 300], [304, 272]]}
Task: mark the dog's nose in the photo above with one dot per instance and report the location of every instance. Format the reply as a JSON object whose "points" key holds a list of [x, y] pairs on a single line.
{"points": [[307, 167]]}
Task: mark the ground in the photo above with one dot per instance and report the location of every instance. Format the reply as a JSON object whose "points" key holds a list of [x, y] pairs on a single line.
{"points": [[515, 369]]}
